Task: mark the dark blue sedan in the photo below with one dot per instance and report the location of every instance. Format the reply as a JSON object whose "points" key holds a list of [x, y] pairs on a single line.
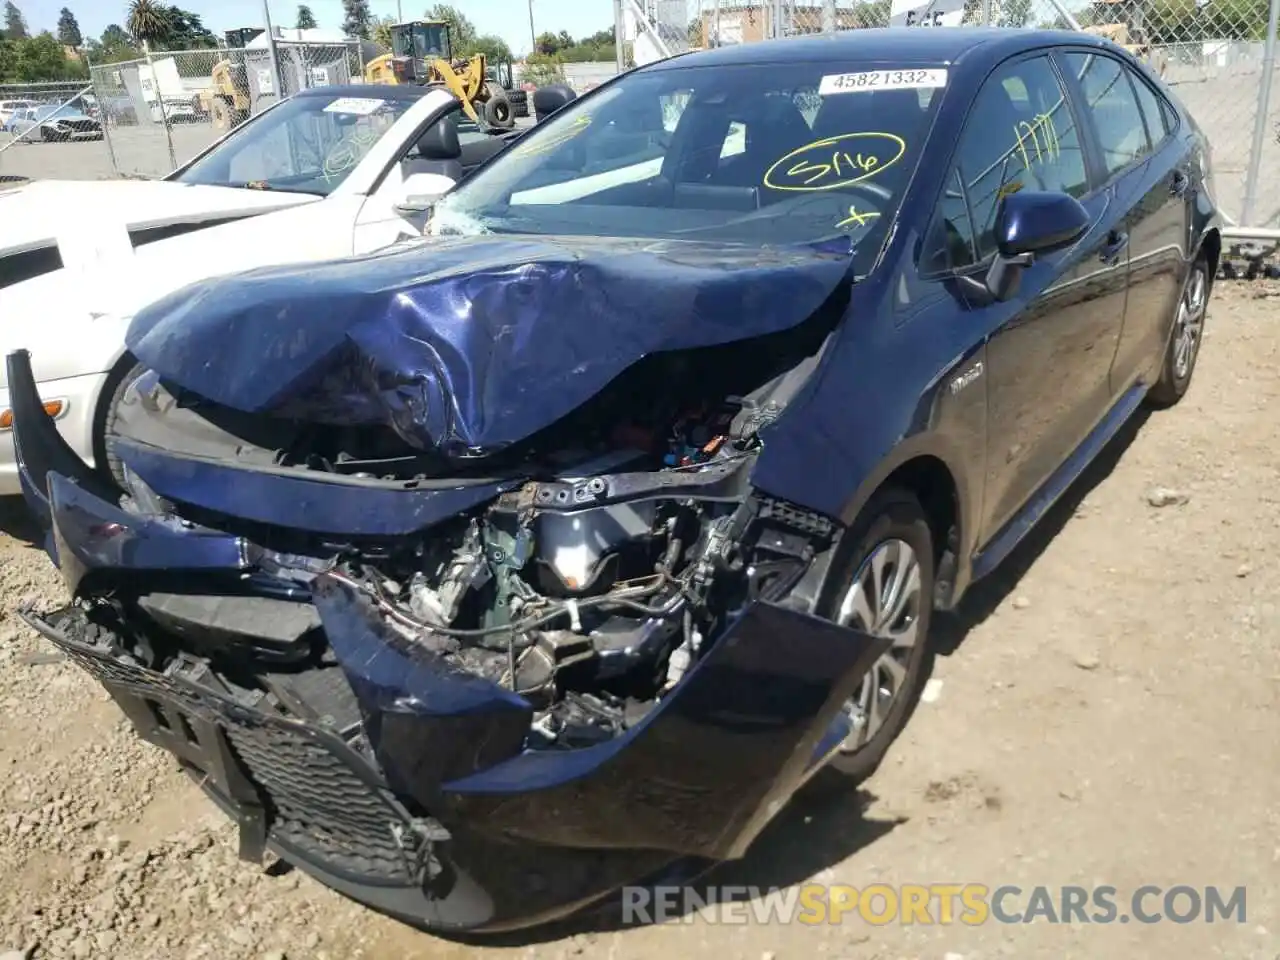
{"points": [[556, 550]]}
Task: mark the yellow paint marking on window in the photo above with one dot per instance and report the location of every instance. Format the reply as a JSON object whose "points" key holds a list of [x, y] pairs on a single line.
{"points": [[1040, 136], [1008, 189], [856, 219], [835, 162]]}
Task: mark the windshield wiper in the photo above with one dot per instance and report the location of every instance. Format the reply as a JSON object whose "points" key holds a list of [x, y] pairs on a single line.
{"points": [[264, 185]]}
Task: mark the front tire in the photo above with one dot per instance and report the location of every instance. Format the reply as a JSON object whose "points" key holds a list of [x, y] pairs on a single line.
{"points": [[1184, 342], [885, 587]]}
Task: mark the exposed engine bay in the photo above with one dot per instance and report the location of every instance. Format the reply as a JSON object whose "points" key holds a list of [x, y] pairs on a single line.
{"points": [[589, 593]]}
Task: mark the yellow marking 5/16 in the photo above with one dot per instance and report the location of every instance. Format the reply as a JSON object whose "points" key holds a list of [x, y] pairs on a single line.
{"points": [[835, 162], [856, 219], [1042, 138]]}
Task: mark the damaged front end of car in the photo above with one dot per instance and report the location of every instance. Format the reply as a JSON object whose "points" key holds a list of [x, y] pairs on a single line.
{"points": [[461, 599]]}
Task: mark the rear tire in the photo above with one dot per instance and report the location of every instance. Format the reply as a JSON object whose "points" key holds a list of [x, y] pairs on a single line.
{"points": [[1183, 349], [892, 533]]}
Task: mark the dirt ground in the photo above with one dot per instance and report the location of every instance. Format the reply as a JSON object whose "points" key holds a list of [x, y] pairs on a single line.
{"points": [[1107, 715]]}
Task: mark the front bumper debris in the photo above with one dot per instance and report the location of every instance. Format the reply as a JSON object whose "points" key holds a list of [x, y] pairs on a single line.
{"points": [[291, 786]]}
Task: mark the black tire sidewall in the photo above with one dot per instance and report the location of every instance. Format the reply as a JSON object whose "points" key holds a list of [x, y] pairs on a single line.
{"points": [[892, 514], [113, 392]]}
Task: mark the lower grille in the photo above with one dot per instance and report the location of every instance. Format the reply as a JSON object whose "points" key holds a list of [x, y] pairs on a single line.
{"points": [[297, 783]]}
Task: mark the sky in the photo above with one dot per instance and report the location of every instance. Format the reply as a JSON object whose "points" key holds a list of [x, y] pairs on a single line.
{"points": [[509, 19]]}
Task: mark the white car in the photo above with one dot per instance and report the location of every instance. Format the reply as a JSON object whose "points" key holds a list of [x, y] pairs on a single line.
{"points": [[361, 167], [10, 107]]}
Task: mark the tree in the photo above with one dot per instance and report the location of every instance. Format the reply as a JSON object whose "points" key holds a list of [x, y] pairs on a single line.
{"points": [[493, 47], [148, 21], [114, 46], [69, 29], [461, 30], [15, 26], [381, 33], [187, 31], [116, 41], [542, 69], [1014, 13], [306, 19], [357, 18], [547, 44], [37, 59]]}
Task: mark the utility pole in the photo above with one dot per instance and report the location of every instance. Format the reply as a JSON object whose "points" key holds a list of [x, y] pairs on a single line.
{"points": [[271, 50], [533, 36], [619, 34]]}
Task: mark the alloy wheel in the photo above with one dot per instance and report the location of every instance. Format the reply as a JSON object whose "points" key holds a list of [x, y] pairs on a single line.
{"points": [[1189, 323], [883, 600]]}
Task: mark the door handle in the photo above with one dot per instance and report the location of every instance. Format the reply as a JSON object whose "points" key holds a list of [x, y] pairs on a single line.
{"points": [[1179, 183], [1115, 245]]}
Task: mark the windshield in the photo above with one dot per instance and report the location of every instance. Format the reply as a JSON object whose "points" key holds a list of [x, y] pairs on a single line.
{"points": [[62, 113], [747, 154], [305, 145]]}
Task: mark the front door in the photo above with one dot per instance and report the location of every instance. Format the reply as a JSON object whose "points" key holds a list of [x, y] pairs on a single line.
{"points": [[1049, 349]]}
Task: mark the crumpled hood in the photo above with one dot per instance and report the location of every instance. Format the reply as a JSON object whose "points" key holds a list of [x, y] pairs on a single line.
{"points": [[463, 345]]}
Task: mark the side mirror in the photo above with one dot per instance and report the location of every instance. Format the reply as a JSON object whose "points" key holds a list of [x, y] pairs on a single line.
{"points": [[547, 100], [1031, 223], [421, 191]]}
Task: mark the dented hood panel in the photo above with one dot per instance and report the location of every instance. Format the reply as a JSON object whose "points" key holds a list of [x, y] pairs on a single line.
{"points": [[464, 345]]}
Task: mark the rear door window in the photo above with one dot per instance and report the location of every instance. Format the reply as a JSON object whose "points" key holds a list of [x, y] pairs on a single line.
{"points": [[1153, 109], [1112, 104]]}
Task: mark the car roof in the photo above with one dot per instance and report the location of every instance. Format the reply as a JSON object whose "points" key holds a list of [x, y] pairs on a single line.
{"points": [[380, 91], [884, 44]]}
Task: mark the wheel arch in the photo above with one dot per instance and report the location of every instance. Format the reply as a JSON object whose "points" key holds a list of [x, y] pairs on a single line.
{"points": [[930, 468], [123, 363], [1211, 245]]}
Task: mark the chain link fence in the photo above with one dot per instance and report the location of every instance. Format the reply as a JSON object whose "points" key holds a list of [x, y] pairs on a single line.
{"points": [[1218, 56], [162, 110], [41, 113]]}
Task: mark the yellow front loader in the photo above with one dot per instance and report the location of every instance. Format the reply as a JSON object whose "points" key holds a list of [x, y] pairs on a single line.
{"points": [[422, 53], [227, 98]]}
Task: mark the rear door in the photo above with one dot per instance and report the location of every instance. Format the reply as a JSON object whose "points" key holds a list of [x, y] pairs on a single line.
{"points": [[1149, 170], [1049, 350]]}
